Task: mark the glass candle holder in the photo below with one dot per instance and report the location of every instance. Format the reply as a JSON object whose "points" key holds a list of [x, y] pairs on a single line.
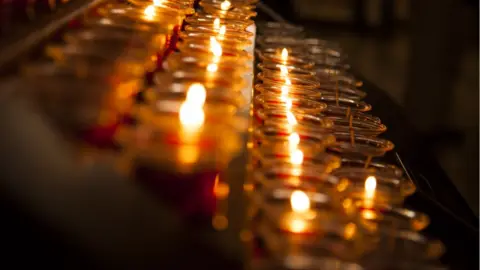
{"points": [[231, 32], [165, 19], [124, 38], [125, 66], [270, 155], [360, 146], [209, 20], [387, 216], [274, 70], [335, 74], [364, 128], [177, 61], [324, 56], [315, 234], [386, 190], [208, 79], [204, 47], [298, 52], [299, 105], [274, 58], [280, 117], [278, 28], [277, 134], [388, 170], [345, 103], [332, 88], [235, 4], [296, 82], [239, 13], [202, 38], [408, 246], [279, 41], [278, 90], [347, 112], [240, 20]]}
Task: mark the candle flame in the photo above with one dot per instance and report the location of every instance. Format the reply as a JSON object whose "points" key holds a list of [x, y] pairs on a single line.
{"points": [[285, 90], [212, 67], [294, 139], [225, 5], [283, 70], [223, 30], [215, 47], [299, 201], [297, 157], [289, 104], [157, 2], [196, 95], [216, 23], [287, 81], [292, 121], [149, 12], [370, 186], [284, 55]]}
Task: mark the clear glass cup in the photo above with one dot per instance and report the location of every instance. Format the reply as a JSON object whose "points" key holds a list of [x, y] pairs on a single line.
{"points": [[272, 79], [274, 70], [345, 125], [389, 190], [360, 146], [320, 138], [295, 92], [299, 105], [280, 117], [345, 103]]}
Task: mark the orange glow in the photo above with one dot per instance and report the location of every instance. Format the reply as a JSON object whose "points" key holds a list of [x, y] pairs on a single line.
{"points": [[196, 95], [225, 5], [215, 47], [370, 186], [222, 31], [157, 3], [292, 121], [283, 70], [216, 23], [297, 157], [212, 67], [287, 81], [149, 13], [294, 139], [299, 202], [285, 90], [284, 55]]}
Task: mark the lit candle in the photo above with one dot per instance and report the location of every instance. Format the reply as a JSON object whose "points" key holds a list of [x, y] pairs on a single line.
{"points": [[149, 13], [284, 56], [369, 195], [225, 5], [299, 219], [216, 24], [191, 117], [222, 31]]}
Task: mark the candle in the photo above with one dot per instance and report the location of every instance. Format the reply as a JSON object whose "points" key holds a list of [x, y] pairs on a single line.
{"points": [[191, 117], [299, 219], [370, 186]]}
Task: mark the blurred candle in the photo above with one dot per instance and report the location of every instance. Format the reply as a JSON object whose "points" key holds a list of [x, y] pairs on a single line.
{"points": [[369, 195], [299, 219]]}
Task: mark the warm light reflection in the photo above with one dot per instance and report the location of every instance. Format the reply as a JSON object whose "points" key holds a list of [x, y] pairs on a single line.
{"points": [[149, 13], [283, 71], [215, 47], [212, 67], [292, 121], [288, 81], [284, 55], [188, 154], [298, 225], [225, 5], [222, 31], [289, 103], [196, 94], [157, 2], [216, 23], [285, 90], [299, 201], [191, 111], [294, 139], [370, 186], [296, 158]]}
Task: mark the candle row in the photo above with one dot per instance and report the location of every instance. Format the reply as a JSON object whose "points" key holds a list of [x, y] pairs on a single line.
{"points": [[323, 197]]}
